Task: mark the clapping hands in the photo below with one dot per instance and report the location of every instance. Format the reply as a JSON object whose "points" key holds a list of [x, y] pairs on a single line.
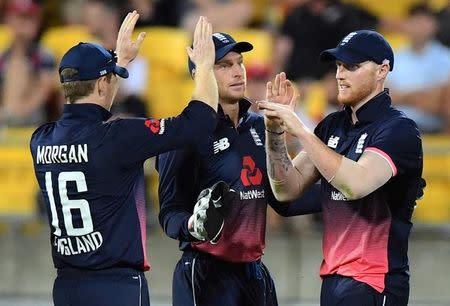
{"points": [[279, 106]]}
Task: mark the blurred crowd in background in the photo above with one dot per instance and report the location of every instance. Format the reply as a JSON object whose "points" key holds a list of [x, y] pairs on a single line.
{"points": [[288, 35]]}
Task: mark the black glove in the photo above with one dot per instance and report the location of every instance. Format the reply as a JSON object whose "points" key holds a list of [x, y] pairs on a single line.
{"points": [[212, 205]]}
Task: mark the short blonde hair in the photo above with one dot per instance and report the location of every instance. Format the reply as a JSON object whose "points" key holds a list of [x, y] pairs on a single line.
{"points": [[76, 90]]}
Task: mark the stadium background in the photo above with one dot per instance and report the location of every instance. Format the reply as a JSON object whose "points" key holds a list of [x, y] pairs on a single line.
{"points": [[294, 248]]}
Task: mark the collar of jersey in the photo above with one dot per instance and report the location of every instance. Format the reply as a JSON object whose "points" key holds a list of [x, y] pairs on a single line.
{"points": [[244, 105], [373, 109], [86, 112]]}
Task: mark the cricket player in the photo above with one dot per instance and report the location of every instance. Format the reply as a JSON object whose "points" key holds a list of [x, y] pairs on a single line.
{"points": [[368, 158], [90, 169], [221, 261]]}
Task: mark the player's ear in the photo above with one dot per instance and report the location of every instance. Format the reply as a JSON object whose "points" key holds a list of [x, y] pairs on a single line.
{"points": [[102, 86], [383, 70]]}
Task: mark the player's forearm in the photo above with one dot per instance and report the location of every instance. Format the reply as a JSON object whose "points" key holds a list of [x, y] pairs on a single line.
{"points": [[282, 174], [206, 86]]}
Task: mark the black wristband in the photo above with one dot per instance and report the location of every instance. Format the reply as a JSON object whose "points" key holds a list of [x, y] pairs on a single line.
{"points": [[276, 133]]}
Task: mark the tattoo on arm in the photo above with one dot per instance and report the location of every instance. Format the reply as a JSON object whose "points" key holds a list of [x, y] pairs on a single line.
{"points": [[279, 161]]}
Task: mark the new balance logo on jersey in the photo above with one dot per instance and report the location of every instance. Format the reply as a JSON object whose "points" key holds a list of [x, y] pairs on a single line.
{"points": [[256, 138], [360, 144], [221, 145], [333, 141]]}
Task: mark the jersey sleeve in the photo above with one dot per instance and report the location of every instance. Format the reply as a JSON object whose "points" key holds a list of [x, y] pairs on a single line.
{"points": [[138, 139], [176, 192], [398, 142]]}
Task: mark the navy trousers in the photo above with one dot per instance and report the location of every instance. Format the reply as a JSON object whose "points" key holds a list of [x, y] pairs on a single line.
{"points": [[340, 290], [200, 279], [110, 287]]}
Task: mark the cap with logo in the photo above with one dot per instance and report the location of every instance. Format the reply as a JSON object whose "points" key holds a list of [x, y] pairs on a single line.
{"points": [[224, 43], [361, 46], [92, 61]]}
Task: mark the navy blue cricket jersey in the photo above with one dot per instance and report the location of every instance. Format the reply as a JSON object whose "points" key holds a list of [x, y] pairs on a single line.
{"points": [[90, 171], [367, 239], [236, 156]]}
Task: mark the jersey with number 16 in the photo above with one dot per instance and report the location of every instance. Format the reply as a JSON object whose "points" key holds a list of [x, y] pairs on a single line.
{"points": [[90, 171]]}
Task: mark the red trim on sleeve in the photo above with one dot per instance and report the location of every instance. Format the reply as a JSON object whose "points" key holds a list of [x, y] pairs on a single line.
{"points": [[385, 156]]}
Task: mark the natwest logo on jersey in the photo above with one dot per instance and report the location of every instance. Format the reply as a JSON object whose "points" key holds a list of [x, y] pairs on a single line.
{"points": [[250, 175]]}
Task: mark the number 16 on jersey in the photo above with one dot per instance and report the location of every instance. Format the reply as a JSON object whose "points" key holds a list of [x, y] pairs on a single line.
{"points": [[79, 239]]}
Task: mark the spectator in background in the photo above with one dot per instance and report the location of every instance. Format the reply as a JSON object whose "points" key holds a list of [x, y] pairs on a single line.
{"points": [[102, 19], [313, 25], [223, 14], [72, 11], [27, 76], [2, 9], [309, 28], [443, 36], [422, 73], [156, 12], [443, 18]]}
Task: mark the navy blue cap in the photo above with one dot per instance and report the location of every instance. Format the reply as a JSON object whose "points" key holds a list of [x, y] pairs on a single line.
{"points": [[361, 46], [223, 44], [92, 62]]}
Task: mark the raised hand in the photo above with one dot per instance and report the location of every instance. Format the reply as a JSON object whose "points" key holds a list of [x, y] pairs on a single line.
{"points": [[283, 115], [126, 48], [280, 91], [202, 52]]}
